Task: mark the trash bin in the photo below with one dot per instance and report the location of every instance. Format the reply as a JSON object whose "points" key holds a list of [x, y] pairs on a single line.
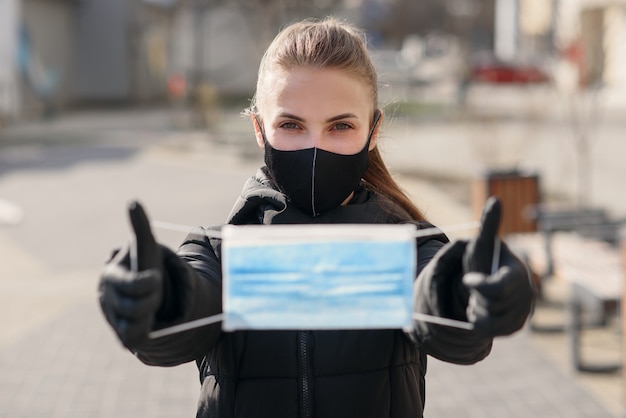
{"points": [[516, 190]]}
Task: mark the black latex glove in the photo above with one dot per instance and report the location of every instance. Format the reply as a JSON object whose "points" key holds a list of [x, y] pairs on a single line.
{"points": [[131, 299], [499, 303]]}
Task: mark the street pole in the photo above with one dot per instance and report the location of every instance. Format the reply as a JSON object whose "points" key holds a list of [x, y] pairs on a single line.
{"points": [[198, 61]]}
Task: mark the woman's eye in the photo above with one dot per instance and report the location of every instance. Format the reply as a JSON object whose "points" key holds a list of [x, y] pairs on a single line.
{"points": [[341, 127], [289, 125]]}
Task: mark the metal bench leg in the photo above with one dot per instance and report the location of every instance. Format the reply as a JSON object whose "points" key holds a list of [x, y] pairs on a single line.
{"points": [[575, 330], [575, 311]]}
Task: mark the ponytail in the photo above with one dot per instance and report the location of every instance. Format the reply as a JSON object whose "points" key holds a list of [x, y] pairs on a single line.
{"points": [[379, 179]]}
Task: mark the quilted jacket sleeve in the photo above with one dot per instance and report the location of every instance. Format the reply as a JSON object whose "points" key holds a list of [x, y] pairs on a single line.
{"points": [[195, 291], [446, 299]]}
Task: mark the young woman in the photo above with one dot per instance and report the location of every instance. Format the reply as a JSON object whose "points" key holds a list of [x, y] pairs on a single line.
{"points": [[316, 117]]}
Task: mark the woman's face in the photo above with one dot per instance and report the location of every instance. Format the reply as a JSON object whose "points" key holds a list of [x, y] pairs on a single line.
{"points": [[329, 109]]}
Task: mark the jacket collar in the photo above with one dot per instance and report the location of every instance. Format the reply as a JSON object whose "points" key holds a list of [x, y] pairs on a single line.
{"points": [[261, 203]]}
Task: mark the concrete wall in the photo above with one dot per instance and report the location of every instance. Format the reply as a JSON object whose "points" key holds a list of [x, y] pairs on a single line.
{"points": [[592, 34], [101, 51], [615, 42], [228, 57], [530, 128], [49, 25], [9, 97], [150, 49]]}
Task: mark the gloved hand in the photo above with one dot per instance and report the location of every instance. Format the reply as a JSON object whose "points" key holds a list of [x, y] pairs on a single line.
{"points": [[499, 301], [130, 299]]}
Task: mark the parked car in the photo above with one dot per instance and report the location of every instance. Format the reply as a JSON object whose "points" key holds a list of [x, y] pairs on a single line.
{"points": [[486, 68]]}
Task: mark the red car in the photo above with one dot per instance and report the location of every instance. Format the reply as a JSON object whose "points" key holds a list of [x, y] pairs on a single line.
{"points": [[495, 71]]}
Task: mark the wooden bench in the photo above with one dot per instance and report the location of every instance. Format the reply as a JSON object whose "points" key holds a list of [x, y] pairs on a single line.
{"points": [[580, 248]]}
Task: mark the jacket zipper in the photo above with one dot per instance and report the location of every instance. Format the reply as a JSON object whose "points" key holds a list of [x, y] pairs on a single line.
{"points": [[305, 375]]}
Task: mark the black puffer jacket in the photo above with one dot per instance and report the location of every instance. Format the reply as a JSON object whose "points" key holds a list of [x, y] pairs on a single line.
{"points": [[364, 373]]}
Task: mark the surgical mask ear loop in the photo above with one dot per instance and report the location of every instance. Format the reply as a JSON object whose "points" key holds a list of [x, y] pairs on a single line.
{"points": [[258, 123], [377, 114]]}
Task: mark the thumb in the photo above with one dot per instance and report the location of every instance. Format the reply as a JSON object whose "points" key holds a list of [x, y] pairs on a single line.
{"points": [[478, 256], [148, 255]]}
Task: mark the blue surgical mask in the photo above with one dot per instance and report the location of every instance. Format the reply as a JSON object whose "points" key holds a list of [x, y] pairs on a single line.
{"points": [[318, 276]]}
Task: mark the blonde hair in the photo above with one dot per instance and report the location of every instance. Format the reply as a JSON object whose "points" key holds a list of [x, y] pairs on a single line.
{"points": [[330, 43]]}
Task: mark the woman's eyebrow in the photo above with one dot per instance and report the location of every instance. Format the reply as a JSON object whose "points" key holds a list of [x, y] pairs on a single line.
{"points": [[290, 116], [342, 116], [332, 119]]}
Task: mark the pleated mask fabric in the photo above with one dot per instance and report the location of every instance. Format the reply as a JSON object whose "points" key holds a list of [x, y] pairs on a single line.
{"points": [[309, 277]]}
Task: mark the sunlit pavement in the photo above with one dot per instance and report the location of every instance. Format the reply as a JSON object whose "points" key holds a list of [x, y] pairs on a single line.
{"points": [[60, 359]]}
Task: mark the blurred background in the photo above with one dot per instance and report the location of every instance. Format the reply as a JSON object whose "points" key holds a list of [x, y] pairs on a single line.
{"points": [[102, 101], [531, 63]]}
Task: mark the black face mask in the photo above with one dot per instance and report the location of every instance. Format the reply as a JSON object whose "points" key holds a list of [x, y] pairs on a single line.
{"points": [[316, 180]]}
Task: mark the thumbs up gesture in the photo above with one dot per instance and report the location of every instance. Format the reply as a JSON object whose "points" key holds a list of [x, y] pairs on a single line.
{"points": [[132, 282], [500, 291]]}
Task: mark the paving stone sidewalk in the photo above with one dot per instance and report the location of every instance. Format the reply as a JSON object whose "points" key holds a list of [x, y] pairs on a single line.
{"points": [[74, 367]]}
